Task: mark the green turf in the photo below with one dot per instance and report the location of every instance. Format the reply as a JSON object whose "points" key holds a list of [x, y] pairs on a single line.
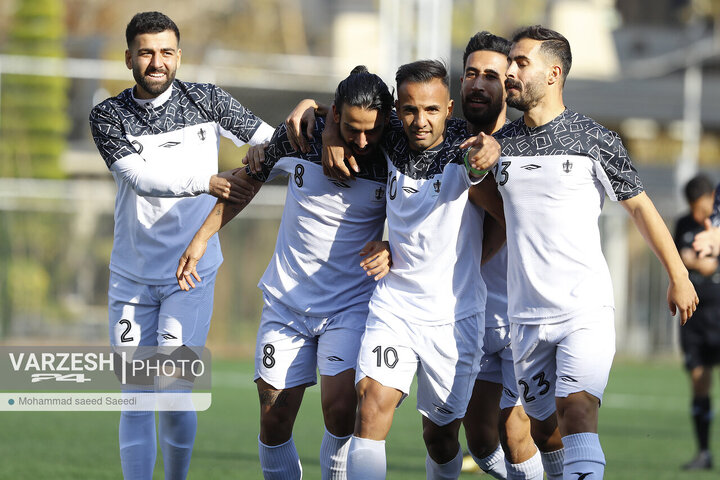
{"points": [[644, 426]]}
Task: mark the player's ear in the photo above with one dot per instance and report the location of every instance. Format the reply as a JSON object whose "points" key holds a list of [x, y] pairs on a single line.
{"points": [[179, 56], [451, 104], [554, 75], [336, 114], [128, 59]]}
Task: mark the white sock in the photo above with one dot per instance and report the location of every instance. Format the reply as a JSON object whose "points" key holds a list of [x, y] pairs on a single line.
{"points": [[280, 462], [530, 469], [138, 445], [366, 459], [333, 456], [444, 471], [494, 464], [584, 455], [553, 464]]}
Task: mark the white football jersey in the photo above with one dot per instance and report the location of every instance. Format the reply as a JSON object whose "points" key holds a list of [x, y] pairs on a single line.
{"points": [[178, 132], [435, 233], [315, 269], [553, 180], [494, 273]]}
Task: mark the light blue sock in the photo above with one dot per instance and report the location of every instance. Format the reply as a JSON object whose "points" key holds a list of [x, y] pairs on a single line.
{"points": [[280, 462], [444, 471], [493, 464], [138, 445], [584, 457], [333, 456], [366, 459], [530, 469], [177, 436], [553, 464]]}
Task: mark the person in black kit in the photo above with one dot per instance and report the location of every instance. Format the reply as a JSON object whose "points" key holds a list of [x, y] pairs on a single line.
{"points": [[700, 339]]}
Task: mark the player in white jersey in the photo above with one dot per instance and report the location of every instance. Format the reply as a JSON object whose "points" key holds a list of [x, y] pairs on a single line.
{"points": [[160, 141], [496, 427], [426, 314], [555, 169], [315, 291]]}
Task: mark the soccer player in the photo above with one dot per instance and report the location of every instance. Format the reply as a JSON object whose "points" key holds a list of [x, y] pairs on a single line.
{"points": [[160, 141], [426, 314], [556, 167], [700, 339], [495, 401], [315, 291]]}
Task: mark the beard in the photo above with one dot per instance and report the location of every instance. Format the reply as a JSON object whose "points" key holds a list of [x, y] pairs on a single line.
{"points": [[525, 98], [485, 117], [152, 87]]}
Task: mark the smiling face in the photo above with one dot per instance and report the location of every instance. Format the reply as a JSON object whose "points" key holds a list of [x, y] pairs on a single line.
{"points": [[527, 74], [482, 89], [153, 59], [423, 108], [360, 128]]}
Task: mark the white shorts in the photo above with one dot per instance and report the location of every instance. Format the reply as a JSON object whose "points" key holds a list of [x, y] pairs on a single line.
{"points": [[558, 359], [496, 364], [445, 357], [291, 347], [148, 315]]}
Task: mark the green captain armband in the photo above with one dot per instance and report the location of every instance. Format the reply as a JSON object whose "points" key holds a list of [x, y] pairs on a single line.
{"points": [[470, 168]]}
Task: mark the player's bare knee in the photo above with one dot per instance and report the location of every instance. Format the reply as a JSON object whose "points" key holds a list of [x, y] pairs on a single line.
{"points": [[578, 413], [340, 418]]}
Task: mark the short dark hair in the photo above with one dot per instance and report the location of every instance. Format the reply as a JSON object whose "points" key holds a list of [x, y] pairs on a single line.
{"points": [[363, 89], [697, 187], [553, 43], [486, 41], [422, 71], [149, 22]]}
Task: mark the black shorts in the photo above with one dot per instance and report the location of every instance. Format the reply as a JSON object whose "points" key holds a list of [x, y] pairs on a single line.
{"points": [[700, 338]]}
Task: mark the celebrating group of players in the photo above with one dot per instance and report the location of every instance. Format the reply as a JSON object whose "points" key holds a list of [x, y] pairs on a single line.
{"points": [[518, 349]]}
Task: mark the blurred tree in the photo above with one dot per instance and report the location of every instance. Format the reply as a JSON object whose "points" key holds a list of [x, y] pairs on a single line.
{"points": [[33, 113]]}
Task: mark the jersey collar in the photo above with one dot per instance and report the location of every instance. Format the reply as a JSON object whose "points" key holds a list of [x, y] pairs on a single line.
{"points": [[153, 102]]}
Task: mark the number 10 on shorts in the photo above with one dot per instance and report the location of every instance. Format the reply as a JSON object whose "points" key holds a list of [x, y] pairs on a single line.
{"points": [[389, 356]]}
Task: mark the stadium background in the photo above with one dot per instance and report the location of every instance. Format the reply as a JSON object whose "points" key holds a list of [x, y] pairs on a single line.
{"points": [[645, 68]]}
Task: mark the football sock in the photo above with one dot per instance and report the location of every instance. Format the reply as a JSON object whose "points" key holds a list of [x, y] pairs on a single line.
{"points": [[493, 464], [333, 456], [530, 469], [444, 471], [177, 436], [553, 464], [583, 455], [702, 415], [366, 459], [138, 445], [280, 462], [177, 425]]}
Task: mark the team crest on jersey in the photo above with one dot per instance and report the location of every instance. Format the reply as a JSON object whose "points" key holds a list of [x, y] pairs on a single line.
{"points": [[201, 134], [379, 193], [436, 186], [567, 166]]}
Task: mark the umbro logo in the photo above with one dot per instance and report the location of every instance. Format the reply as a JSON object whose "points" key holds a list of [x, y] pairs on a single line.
{"points": [[169, 144], [581, 475], [340, 184], [168, 336], [333, 358], [567, 378], [509, 393], [531, 166], [410, 190], [444, 410]]}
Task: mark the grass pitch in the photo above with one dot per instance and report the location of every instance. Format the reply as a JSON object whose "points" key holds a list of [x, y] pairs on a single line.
{"points": [[644, 428]]}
